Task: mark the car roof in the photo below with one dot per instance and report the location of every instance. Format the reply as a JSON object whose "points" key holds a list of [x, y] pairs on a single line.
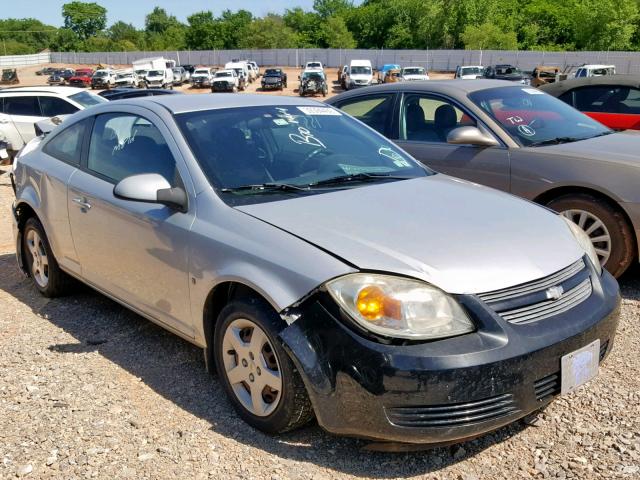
{"points": [[62, 91], [457, 87], [194, 103], [558, 88]]}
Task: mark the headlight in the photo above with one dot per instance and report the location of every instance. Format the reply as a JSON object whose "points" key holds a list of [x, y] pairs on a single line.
{"points": [[585, 243], [399, 307]]}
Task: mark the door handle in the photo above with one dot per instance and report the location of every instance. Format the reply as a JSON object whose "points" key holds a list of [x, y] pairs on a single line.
{"points": [[82, 202]]}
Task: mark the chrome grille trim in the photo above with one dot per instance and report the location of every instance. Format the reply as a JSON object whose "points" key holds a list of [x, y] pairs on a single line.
{"points": [[549, 308], [535, 286]]}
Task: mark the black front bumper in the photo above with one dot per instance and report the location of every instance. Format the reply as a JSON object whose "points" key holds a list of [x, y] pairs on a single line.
{"points": [[222, 87], [272, 85], [446, 390]]}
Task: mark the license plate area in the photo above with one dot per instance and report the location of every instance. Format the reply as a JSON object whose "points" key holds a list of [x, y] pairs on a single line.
{"points": [[579, 367]]}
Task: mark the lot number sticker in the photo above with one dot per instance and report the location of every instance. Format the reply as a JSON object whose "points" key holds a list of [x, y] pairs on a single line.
{"points": [[319, 111]]}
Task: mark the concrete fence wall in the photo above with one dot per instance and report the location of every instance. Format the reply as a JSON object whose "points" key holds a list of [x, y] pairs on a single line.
{"points": [[442, 60], [24, 60]]}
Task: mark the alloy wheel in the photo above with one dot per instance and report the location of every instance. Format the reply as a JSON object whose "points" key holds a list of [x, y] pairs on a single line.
{"points": [[251, 366], [40, 261], [595, 229]]}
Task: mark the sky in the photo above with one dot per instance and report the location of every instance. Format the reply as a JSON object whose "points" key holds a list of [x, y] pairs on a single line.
{"points": [[134, 11]]}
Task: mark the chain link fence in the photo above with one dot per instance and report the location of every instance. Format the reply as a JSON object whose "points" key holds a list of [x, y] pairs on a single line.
{"points": [[435, 60]]}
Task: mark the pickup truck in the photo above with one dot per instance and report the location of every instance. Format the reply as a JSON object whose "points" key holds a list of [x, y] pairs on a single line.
{"points": [[274, 78], [226, 80], [82, 78]]}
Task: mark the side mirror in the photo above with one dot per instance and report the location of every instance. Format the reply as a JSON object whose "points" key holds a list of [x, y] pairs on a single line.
{"points": [[471, 136], [151, 188]]}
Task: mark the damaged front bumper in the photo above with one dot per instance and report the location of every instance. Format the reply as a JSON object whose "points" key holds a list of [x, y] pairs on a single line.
{"points": [[442, 391]]}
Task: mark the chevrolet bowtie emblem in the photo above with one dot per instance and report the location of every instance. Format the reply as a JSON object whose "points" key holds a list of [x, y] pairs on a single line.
{"points": [[554, 293]]}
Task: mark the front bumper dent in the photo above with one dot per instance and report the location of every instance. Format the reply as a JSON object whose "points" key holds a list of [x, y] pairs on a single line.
{"points": [[444, 391]]}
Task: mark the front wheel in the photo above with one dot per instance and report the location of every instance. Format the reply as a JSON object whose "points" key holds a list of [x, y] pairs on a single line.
{"points": [[255, 371], [606, 226], [42, 266]]}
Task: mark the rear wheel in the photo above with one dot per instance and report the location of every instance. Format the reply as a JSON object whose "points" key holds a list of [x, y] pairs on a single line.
{"points": [[40, 262], [257, 374], [606, 226]]}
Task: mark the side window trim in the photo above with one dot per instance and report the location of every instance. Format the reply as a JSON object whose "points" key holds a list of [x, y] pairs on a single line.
{"points": [[454, 103], [388, 127], [49, 140]]}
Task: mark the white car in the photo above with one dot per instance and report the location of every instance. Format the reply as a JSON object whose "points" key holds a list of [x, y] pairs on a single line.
{"points": [[595, 71], [359, 74], [225, 81], [201, 78], [127, 80], [410, 74], [256, 67], [469, 72], [24, 106], [314, 66]]}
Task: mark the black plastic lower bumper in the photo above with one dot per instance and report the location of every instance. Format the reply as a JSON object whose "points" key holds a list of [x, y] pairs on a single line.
{"points": [[446, 390]]}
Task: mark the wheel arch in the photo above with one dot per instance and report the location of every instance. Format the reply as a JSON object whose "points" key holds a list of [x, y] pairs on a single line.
{"points": [[23, 211], [545, 197], [219, 296]]}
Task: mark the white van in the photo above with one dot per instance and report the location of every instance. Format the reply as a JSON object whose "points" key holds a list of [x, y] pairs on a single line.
{"points": [[595, 71], [359, 74], [240, 67]]}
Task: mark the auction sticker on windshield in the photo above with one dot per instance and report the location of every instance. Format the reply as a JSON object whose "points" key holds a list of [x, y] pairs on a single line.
{"points": [[578, 367], [532, 91], [319, 111]]}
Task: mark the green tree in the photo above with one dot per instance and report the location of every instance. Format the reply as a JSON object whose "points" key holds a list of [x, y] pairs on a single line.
{"points": [[488, 37], [336, 34], [158, 21], [308, 26], [204, 32], [605, 24], [65, 40], [121, 31], [331, 8], [269, 32], [234, 27], [85, 19]]}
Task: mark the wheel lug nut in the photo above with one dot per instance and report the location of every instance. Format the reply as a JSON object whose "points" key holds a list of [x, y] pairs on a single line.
{"points": [[251, 355], [244, 362], [251, 377], [258, 370]]}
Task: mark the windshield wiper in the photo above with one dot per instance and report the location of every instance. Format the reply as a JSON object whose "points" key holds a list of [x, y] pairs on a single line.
{"points": [[555, 141], [266, 188], [358, 177]]}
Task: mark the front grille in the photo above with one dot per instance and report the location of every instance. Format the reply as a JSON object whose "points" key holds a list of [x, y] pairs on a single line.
{"points": [[452, 415], [542, 298], [547, 387]]}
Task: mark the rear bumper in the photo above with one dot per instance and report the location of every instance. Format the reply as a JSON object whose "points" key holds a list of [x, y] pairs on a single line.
{"points": [[444, 391]]}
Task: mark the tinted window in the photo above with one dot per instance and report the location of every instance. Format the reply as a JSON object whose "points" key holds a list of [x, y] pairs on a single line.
{"points": [[374, 110], [27, 106], [429, 119], [611, 99], [87, 99], [52, 106], [123, 145], [67, 145]]}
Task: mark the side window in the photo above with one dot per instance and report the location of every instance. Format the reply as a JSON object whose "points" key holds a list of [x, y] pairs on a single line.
{"points": [[124, 144], [67, 145], [430, 119], [26, 106], [567, 97], [609, 99], [52, 106], [374, 110]]}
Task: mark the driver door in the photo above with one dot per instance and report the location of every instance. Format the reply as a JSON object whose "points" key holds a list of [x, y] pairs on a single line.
{"points": [[134, 251]]}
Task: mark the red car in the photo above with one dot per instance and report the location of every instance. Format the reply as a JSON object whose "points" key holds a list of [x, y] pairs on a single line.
{"points": [[613, 100], [82, 78]]}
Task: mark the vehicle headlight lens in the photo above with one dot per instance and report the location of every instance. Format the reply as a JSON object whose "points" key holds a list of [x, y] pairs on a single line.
{"points": [[585, 243], [399, 307]]}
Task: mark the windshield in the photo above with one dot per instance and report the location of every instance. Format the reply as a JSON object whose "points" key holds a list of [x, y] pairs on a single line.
{"points": [[312, 76], [201, 72], [532, 117], [294, 145], [360, 70], [86, 99], [471, 71], [155, 73], [413, 71], [272, 72], [141, 72], [101, 74], [314, 65], [223, 74], [124, 75]]}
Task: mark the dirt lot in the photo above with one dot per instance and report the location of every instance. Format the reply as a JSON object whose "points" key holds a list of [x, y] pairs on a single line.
{"points": [[29, 78]]}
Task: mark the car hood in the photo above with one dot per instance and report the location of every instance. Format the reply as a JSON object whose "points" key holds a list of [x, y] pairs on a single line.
{"points": [[456, 235], [618, 148]]}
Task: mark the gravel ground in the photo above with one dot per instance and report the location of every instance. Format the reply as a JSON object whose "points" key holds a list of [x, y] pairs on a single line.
{"points": [[91, 390]]}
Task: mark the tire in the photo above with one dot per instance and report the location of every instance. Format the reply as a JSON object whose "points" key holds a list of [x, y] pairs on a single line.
{"points": [[279, 410], [621, 246], [46, 274]]}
